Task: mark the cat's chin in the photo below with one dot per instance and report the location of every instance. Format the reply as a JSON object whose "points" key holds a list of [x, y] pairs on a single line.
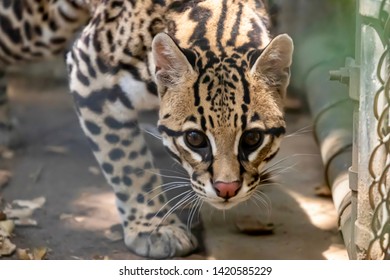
{"points": [[224, 205]]}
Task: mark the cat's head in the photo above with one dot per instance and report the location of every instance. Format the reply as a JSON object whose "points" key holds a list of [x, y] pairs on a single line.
{"points": [[222, 117]]}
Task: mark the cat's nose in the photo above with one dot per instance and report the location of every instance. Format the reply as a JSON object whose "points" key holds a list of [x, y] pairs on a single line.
{"points": [[227, 190]]}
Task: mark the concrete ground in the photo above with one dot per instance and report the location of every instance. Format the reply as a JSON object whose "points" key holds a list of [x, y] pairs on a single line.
{"points": [[79, 219]]}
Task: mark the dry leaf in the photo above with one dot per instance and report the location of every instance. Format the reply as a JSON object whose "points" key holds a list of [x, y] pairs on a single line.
{"points": [[3, 216], [6, 228], [22, 216], [57, 149], [94, 170], [6, 246], [323, 191], [23, 254], [113, 235], [26, 222], [36, 254], [79, 219], [31, 204], [39, 253], [5, 177], [7, 154], [98, 257], [251, 226], [20, 213], [65, 216]]}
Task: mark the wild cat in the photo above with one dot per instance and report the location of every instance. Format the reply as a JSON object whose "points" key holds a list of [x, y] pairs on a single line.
{"points": [[211, 67]]}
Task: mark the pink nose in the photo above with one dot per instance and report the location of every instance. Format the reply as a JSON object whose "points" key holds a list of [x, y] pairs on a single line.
{"points": [[227, 190]]}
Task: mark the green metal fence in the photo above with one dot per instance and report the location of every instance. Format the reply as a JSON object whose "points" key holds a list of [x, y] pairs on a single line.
{"points": [[375, 45], [370, 171]]}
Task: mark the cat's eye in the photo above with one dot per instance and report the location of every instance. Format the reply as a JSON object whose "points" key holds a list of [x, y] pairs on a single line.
{"points": [[251, 139], [196, 139]]}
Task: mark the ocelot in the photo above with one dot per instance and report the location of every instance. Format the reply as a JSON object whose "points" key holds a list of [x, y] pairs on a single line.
{"points": [[211, 67]]}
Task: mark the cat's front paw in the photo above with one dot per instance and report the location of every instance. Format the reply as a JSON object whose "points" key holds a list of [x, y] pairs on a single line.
{"points": [[151, 240]]}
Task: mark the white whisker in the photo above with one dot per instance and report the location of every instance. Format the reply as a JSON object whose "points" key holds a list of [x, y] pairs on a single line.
{"points": [[168, 176], [170, 188], [172, 199], [303, 130], [166, 185], [180, 172], [264, 202], [151, 133], [192, 213], [183, 200]]}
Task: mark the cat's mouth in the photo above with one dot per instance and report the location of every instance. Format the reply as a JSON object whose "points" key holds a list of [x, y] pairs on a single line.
{"points": [[224, 204]]}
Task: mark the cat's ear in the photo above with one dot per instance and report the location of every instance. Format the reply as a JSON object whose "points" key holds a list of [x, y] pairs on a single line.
{"points": [[172, 66], [273, 65]]}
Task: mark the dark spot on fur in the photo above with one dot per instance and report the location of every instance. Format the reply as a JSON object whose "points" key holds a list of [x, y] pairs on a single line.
{"points": [[122, 197], [93, 145], [126, 143], [127, 181], [133, 155], [140, 198], [115, 180], [161, 198], [107, 167], [116, 154], [92, 127], [112, 138], [255, 117]]}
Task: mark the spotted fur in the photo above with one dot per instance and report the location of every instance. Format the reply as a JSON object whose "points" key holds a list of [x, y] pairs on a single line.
{"points": [[31, 31], [210, 66]]}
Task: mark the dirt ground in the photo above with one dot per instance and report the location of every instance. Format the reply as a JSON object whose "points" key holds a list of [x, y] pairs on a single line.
{"points": [[79, 220]]}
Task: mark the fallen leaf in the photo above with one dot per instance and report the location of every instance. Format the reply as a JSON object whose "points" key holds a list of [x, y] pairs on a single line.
{"points": [[22, 216], [6, 246], [113, 235], [98, 257], [3, 216], [252, 226], [57, 149], [79, 219], [5, 177], [39, 253], [36, 254], [31, 204], [23, 254], [19, 213], [6, 228], [6, 153], [26, 222], [94, 170], [65, 216], [323, 191]]}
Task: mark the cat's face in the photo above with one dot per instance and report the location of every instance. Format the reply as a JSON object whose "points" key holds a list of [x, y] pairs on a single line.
{"points": [[222, 118]]}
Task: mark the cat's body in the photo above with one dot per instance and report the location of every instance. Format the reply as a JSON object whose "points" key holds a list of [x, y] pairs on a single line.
{"points": [[219, 81]]}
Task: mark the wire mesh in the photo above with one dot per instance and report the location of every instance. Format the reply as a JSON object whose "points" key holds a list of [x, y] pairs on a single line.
{"points": [[379, 163]]}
